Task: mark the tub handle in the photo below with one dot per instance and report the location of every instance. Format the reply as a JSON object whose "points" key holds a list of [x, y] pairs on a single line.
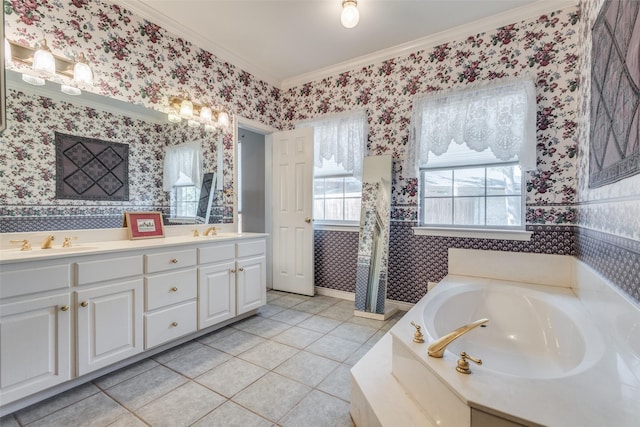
{"points": [[463, 365]]}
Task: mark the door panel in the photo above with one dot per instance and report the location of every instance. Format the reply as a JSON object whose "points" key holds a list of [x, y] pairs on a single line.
{"points": [[292, 223]]}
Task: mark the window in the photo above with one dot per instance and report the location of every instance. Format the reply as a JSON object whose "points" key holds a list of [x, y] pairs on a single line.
{"points": [[182, 178], [340, 142], [471, 148]]}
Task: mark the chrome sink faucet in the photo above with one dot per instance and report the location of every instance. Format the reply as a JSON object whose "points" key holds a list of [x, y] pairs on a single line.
{"points": [[437, 348]]}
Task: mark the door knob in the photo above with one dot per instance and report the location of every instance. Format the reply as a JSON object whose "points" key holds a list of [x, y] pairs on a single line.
{"points": [[307, 219]]}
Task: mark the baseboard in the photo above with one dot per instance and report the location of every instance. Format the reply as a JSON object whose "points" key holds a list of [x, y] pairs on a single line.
{"points": [[350, 296]]}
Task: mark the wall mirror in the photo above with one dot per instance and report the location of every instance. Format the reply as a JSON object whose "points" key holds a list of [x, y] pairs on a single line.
{"points": [[28, 167], [373, 243]]}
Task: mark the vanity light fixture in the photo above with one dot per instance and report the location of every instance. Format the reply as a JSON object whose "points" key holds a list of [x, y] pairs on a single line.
{"points": [[350, 15], [196, 114], [45, 64]]}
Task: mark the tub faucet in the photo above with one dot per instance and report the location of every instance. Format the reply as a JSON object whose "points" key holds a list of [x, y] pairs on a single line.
{"points": [[437, 348], [211, 230]]}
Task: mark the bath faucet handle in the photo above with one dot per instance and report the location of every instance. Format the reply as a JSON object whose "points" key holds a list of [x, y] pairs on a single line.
{"points": [[417, 337], [463, 365], [26, 246], [67, 241]]}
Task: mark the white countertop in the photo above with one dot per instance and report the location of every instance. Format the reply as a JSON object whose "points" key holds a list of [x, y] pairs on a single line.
{"points": [[92, 242]]}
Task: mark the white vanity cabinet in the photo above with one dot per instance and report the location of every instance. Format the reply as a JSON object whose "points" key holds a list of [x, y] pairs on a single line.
{"points": [[171, 291], [35, 329], [109, 312], [69, 316]]}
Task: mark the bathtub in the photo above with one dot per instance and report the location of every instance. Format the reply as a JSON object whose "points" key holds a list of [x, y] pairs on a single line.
{"points": [[545, 361]]}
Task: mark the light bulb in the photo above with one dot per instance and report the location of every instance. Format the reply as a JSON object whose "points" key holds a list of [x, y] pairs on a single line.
{"points": [[193, 123], [82, 73], [186, 109], [350, 15], [43, 60], [33, 80], [223, 119], [70, 90], [205, 115]]}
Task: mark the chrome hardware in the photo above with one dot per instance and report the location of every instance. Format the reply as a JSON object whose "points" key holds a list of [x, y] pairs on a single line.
{"points": [[307, 220], [417, 337], [463, 365], [174, 289], [174, 261], [211, 230], [195, 233], [67, 241], [26, 246], [64, 308], [47, 242], [437, 347], [174, 324], [84, 303]]}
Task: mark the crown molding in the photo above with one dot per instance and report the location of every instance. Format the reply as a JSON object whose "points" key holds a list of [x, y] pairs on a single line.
{"points": [[515, 15], [140, 9]]}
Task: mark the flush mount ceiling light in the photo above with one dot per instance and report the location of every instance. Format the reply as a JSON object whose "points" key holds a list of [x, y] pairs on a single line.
{"points": [[350, 15], [43, 63], [196, 114]]}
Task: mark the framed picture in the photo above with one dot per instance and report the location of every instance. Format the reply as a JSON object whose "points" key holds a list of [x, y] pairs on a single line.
{"points": [[144, 225]]}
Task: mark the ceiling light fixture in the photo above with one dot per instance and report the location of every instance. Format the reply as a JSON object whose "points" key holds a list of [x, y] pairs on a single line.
{"points": [[43, 64], [350, 15], [196, 114]]}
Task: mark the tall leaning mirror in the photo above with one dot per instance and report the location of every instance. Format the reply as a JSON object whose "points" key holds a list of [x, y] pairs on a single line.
{"points": [[373, 242]]}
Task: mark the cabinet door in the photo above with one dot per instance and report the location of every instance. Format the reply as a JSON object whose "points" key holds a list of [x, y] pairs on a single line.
{"points": [[35, 345], [109, 324], [216, 294], [251, 283]]}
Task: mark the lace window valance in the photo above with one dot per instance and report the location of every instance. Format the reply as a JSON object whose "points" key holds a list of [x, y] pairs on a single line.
{"points": [[498, 121], [182, 166], [341, 139]]}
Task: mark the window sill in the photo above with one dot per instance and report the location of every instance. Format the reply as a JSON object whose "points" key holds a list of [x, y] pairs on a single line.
{"points": [[336, 226], [475, 233]]}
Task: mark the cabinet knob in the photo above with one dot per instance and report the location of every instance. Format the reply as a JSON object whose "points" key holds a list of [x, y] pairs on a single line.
{"points": [[232, 271], [307, 220], [241, 269], [84, 303], [174, 289], [64, 308], [174, 260], [174, 324]]}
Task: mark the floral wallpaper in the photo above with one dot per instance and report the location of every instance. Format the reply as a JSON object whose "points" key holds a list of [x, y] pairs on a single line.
{"points": [[137, 61], [544, 47]]}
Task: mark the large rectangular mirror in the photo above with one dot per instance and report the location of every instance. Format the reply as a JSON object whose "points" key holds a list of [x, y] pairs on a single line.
{"points": [[373, 244], [28, 166]]}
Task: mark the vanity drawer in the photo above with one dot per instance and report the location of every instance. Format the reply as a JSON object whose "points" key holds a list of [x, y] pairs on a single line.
{"points": [[31, 280], [170, 260], [216, 253], [170, 288], [257, 247], [108, 269], [171, 323]]}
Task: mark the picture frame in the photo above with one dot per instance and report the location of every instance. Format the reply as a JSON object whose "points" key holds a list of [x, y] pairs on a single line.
{"points": [[144, 225]]}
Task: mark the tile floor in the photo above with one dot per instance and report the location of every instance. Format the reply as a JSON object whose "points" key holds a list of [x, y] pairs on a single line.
{"points": [[287, 366]]}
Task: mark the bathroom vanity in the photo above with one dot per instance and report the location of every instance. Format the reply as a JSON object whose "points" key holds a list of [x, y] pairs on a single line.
{"points": [[70, 314]]}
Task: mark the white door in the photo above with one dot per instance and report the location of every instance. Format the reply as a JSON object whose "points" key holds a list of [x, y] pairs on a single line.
{"points": [[292, 208]]}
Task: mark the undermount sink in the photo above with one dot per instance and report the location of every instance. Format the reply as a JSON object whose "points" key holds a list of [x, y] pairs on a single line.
{"points": [[530, 334]]}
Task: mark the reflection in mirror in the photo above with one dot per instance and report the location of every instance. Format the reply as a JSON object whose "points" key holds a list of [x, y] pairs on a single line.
{"points": [[206, 198], [371, 273], [28, 158]]}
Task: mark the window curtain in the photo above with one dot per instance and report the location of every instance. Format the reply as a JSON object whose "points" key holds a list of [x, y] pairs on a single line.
{"points": [[342, 138], [498, 121], [182, 160]]}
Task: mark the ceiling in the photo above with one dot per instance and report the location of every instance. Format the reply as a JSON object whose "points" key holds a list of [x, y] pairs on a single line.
{"points": [[280, 41]]}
